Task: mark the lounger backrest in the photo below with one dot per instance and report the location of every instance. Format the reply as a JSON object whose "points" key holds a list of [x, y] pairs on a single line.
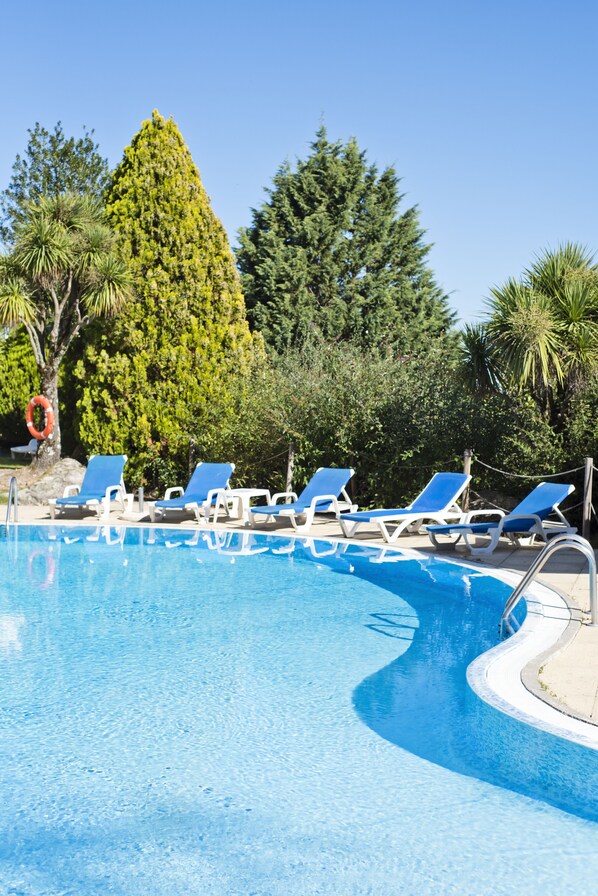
{"points": [[325, 481], [442, 490], [207, 477], [103, 470], [544, 498]]}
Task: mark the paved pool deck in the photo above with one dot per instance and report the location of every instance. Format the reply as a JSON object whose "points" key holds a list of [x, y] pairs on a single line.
{"points": [[567, 678]]}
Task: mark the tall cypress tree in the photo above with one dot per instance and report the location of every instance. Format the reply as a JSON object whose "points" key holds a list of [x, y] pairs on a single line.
{"points": [[328, 251], [161, 375]]}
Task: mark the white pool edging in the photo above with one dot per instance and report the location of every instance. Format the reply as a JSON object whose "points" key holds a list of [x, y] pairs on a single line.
{"points": [[495, 676]]}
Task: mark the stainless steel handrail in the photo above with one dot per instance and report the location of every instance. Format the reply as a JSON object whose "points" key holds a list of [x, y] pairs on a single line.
{"points": [[560, 541], [13, 499]]}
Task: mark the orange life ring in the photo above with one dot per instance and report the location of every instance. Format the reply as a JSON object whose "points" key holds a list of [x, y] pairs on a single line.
{"points": [[43, 402]]}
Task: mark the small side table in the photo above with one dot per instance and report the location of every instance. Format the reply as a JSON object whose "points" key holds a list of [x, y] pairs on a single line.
{"points": [[241, 501]]}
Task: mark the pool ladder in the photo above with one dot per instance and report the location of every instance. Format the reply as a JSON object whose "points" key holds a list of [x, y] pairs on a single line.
{"points": [[509, 625], [13, 501]]}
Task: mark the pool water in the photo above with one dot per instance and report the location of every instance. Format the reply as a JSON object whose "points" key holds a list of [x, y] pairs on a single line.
{"points": [[228, 714]]}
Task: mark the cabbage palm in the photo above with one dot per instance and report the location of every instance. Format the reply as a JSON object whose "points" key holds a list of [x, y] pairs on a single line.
{"points": [[479, 363], [62, 272], [545, 326]]}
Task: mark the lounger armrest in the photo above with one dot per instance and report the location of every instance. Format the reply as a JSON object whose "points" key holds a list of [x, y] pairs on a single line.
{"points": [[520, 516], [473, 513], [291, 495], [174, 490], [329, 499], [71, 490]]}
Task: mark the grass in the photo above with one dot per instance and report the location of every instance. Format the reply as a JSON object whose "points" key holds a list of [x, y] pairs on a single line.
{"points": [[14, 463]]}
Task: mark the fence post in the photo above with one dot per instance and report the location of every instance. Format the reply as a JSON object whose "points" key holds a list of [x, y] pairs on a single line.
{"points": [[191, 456], [587, 497], [290, 467], [467, 455]]}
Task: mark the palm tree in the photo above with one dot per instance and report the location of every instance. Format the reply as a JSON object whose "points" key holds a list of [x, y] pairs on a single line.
{"points": [[545, 326], [479, 364], [62, 272]]}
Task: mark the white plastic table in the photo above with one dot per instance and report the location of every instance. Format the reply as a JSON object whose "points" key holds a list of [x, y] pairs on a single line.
{"points": [[241, 501]]}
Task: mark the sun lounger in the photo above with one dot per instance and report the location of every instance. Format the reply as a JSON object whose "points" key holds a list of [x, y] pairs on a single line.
{"points": [[324, 493], [20, 450], [201, 495], [102, 483], [527, 521], [437, 503]]}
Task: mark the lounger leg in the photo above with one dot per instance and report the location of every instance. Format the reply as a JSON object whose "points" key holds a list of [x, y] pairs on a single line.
{"points": [[305, 526], [444, 544], [486, 549], [391, 537], [348, 527]]}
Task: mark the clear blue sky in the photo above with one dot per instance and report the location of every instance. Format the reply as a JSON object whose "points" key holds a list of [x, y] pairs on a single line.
{"points": [[486, 110]]}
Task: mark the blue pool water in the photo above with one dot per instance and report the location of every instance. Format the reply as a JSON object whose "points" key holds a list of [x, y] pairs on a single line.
{"points": [[235, 715]]}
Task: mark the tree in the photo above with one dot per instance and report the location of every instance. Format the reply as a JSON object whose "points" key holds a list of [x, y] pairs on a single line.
{"points": [[19, 380], [162, 374], [61, 274], [545, 327], [52, 165], [328, 252], [480, 367]]}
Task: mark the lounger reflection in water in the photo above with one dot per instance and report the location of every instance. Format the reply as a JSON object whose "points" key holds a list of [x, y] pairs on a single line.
{"points": [[324, 493], [437, 503], [102, 483], [526, 522]]}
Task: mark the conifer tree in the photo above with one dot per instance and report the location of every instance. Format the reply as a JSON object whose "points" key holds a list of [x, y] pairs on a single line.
{"points": [[53, 164], [329, 252], [162, 373]]}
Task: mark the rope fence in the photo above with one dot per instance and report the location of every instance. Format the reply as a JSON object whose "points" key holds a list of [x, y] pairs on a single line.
{"points": [[524, 475]]}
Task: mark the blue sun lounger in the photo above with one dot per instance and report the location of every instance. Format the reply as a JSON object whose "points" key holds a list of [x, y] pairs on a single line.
{"points": [[324, 493], [102, 483], [437, 502], [527, 521], [206, 485]]}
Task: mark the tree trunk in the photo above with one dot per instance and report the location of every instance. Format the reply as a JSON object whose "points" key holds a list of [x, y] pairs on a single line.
{"points": [[49, 450]]}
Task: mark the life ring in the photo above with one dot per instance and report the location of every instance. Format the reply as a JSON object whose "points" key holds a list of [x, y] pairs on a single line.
{"points": [[43, 402]]}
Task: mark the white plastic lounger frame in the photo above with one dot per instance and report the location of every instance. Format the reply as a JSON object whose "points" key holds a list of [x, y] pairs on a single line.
{"points": [[301, 509], [215, 502], [337, 506], [540, 528], [536, 524], [100, 505], [29, 448], [407, 520]]}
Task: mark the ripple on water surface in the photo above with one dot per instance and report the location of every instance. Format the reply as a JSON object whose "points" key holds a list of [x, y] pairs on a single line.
{"points": [[182, 717]]}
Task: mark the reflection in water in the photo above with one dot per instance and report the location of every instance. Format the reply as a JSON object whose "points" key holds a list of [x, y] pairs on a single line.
{"points": [[10, 633], [41, 569], [441, 616]]}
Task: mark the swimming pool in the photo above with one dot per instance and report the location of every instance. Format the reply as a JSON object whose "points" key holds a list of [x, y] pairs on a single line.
{"points": [[188, 712]]}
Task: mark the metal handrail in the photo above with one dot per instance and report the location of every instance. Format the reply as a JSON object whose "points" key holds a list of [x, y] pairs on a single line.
{"points": [[13, 499], [560, 541]]}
